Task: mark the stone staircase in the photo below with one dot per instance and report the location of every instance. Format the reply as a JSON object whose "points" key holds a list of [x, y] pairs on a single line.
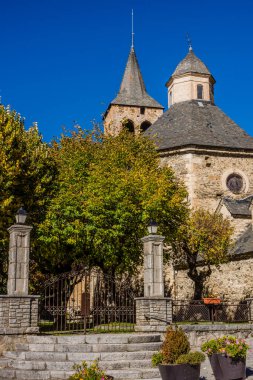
{"points": [[124, 356]]}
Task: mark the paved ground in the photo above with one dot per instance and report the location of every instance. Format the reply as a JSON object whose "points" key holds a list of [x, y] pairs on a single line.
{"points": [[206, 371]]}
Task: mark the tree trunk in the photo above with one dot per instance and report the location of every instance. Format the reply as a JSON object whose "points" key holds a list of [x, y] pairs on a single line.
{"points": [[199, 279]]}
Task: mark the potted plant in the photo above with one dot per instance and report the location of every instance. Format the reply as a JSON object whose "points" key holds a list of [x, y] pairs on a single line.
{"points": [[210, 298], [86, 372], [227, 357], [175, 361]]}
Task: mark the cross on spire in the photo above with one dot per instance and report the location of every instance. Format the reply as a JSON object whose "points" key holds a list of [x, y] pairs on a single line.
{"points": [[189, 41], [132, 46]]}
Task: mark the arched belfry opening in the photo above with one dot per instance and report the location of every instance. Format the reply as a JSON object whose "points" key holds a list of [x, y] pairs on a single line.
{"points": [[145, 125], [128, 125]]}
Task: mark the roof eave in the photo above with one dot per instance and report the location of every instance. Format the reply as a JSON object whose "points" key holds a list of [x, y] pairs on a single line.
{"points": [[209, 147]]}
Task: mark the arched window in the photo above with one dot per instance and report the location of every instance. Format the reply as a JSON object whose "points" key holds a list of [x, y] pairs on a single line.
{"points": [[129, 125], [199, 91], [145, 125]]}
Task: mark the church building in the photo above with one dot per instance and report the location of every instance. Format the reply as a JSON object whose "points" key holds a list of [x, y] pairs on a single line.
{"points": [[204, 147]]}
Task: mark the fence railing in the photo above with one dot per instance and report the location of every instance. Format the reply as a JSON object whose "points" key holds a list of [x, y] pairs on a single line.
{"points": [[198, 311]]}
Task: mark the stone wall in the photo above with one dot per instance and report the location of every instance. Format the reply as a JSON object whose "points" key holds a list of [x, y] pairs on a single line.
{"points": [[185, 88], [198, 334], [204, 174], [18, 314], [233, 281], [118, 114], [153, 314]]}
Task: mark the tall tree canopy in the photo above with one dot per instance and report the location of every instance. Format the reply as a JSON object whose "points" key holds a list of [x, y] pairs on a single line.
{"points": [[204, 240], [27, 174], [108, 188]]}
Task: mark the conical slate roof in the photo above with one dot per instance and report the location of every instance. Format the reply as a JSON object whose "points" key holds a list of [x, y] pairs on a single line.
{"points": [[132, 90], [198, 123], [191, 64]]}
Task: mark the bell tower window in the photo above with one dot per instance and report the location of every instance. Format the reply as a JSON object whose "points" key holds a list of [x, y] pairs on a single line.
{"points": [[199, 91], [145, 125], [170, 98], [129, 125], [142, 110]]}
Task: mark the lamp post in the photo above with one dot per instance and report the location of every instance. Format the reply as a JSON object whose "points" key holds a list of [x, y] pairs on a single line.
{"points": [[19, 250], [153, 262]]}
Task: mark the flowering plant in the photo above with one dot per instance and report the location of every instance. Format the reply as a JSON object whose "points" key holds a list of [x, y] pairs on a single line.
{"points": [[207, 293], [86, 372], [231, 346]]}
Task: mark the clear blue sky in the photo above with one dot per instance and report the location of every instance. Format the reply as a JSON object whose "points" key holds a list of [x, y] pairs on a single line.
{"points": [[62, 61]]}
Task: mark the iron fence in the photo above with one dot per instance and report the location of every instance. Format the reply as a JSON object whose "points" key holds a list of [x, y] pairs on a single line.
{"points": [[88, 301], [198, 311]]}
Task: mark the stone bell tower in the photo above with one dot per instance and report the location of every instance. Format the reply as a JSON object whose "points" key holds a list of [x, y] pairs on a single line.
{"points": [[190, 81], [132, 108]]}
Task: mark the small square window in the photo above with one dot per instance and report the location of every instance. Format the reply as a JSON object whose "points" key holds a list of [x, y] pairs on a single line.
{"points": [[142, 110]]}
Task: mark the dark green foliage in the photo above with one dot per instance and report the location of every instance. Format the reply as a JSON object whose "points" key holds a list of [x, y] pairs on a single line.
{"points": [[27, 174], [192, 358]]}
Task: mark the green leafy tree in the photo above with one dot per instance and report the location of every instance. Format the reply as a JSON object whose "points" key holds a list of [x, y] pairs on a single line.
{"points": [[108, 189], [27, 174], [204, 240]]}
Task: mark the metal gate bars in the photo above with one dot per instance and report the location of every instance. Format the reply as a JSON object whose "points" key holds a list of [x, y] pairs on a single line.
{"points": [[87, 301]]}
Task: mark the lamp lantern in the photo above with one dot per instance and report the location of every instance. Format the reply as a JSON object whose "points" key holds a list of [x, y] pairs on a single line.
{"points": [[21, 216], [152, 227]]}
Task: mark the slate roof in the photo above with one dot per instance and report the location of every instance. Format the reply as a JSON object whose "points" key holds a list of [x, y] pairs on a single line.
{"points": [[197, 123], [244, 244], [132, 90], [238, 207], [191, 64]]}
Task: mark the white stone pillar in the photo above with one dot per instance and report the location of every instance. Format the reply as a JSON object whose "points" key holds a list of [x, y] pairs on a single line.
{"points": [[19, 250], [153, 266]]}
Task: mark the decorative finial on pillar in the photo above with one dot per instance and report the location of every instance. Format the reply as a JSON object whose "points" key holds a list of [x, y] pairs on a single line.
{"points": [[132, 46], [189, 41]]}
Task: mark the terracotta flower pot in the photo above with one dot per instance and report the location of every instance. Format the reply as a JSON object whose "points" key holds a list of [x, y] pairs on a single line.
{"points": [[179, 371], [226, 368], [212, 301]]}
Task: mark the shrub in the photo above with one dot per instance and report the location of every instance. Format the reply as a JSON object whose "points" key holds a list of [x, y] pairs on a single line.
{"points": [[192, 358], [86, 372], [231, 346], [175, 344], [157, 358]]}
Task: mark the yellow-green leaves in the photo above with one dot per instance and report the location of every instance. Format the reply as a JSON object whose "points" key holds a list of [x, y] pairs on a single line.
{"points": [[108, 189], [204, 239]]}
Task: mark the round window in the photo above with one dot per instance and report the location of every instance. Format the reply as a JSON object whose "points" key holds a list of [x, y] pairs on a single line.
{"points": [[235, 183]]}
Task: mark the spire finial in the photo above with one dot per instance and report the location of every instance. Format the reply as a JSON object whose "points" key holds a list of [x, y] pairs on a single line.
{"points": [[132, 29], [189, 41]]}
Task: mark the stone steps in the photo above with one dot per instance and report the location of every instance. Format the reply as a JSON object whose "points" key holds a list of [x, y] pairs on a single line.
{"points": [[124, 356]]}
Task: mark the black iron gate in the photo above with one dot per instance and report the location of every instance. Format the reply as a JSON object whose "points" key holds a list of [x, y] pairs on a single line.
{"points": [[88, 301]]}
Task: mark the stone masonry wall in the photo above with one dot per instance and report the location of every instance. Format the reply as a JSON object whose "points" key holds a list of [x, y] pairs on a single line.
{"points": [[18, 314], [185, 88], [233, 281], [117, 114], [205, 173], [153, 314]]}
